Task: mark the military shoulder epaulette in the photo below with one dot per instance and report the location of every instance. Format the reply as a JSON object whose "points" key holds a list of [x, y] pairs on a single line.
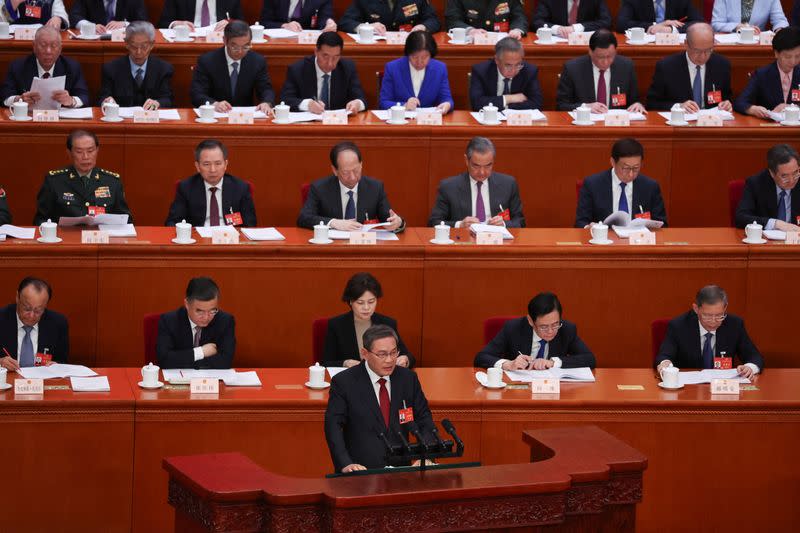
{"points": [[108, 172], [58, 171]]}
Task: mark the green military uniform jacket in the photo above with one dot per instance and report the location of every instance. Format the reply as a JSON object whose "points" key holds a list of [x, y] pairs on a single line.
{"points": [[63, 194], [405, 15], [489, 15]]}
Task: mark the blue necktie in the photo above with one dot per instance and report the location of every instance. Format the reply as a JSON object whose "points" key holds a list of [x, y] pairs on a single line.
{"points": [[659, 11], [542, 346], [324, 94], [26, 351], [110, 8], [623, 199], [350, 208], [782, 207], [708, 353], [139, 77], [506, 85], [234, 79], [697, 88]]}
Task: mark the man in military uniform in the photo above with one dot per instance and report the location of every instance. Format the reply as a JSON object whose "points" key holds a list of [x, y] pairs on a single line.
{"points": [[390, 15], [82, 188], [480, 16]]}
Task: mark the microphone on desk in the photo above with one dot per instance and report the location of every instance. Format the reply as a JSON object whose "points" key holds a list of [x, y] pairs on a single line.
{"points": [[413, 428], [389, 448], [448, 427], [442, 444], [406, 447]]}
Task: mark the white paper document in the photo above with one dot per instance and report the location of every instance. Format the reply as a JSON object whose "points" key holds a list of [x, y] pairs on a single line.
{"points": [[600, 117], [96, 220], [119, 230], [555, 39], [303, 116], [691, 117], [705, 376], [380, 235], [535, 114], [14, 27], [81, 113], [333, 370], [17, 232], [252, 109], [56, 370], [263, 234], [733, 38], [376, 37], [583, 374], [624, 232], [488, 228], [185, 374], [280, 33], [45, 88], [621, 223], [96, 384], [163, 114], [385, 114], [243, 379], [207, 232], [771, 234]]}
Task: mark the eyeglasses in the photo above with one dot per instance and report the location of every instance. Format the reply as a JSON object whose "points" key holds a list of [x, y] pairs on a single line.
{"points": [[515, 67], [36, 311], [790, 176], [139, 47], [203, 312], [713, 318], [234, 48], [630, 170], [386, 355], [549, 327]]}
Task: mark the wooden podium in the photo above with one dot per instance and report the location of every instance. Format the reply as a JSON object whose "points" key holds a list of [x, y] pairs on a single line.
{"points": [[580, 479]]}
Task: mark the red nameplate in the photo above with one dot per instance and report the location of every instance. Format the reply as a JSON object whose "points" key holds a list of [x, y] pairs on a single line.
{"points": [[33, 11], [372, 221], [619, 100], [95, 210], [795, 95], [406, 415], [42, 359], [314, 21], [501, 26], [714, 97], [405, 27], [505, 214], [645, 215], [723, 363], [234, 219]]}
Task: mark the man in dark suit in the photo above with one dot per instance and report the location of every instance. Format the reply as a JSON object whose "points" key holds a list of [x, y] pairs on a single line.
{"points": [[106, 15], [661, 16], [30, 333], [365, 401], [538, 341], [696, 79], [346, 200], [772, 197], [294, 15], [138, 79], [507, 81], [5, 212], [478, 195], [196, 14], [212, 197], [45, 62], [233, 75], [777, 85], [707, 335], [621, 188], [566, 16], [199, 334], [324, 80], [481, 16], [602, 78], [406, 15]]}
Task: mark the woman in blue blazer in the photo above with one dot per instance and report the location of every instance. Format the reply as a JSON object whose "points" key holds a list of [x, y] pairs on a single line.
{"points": [[433, 87], [727, 15]]}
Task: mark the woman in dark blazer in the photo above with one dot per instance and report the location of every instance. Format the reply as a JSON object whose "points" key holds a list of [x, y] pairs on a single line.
{"points": [[342, 342], [398, 83]]}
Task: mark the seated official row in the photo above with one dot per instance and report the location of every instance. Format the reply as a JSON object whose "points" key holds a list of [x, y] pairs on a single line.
{"points": [[234, 75]]}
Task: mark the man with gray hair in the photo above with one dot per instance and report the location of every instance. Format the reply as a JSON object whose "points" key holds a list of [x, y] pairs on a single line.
{"points": [[708, 337], [507, 81], [771, 197], [478, 195], [138, 79]]}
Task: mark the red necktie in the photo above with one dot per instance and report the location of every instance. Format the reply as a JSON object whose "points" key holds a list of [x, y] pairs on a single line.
{"points": [[601, 88], [213, 210], [573, 13], [383, 394]]}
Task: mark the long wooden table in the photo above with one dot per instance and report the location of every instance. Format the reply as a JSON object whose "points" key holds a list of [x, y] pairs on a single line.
{"points": [[440, 295], [706, 454]]}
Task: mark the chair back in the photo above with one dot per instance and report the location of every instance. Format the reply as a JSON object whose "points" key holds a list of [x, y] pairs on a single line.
{"points": [[150, 325], [493, 325]]}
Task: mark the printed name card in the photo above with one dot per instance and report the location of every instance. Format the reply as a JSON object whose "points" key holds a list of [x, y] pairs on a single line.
{"points": [[640, 238], [396, 37], [545, 386], [793, 237], [724, 386], [578, 38], [667, 39], [224, 236], [24, 34], [94, 237], [618, 119], [45, 115], [515, 117], [214, 37], [709, 120], [765, 38], [118, 36], [142, 116], [484, 39], [309, 37], [240, 116], [487, 237], [337, 117], [363, 237], [204, 386], [429, 118], [28, 386]]}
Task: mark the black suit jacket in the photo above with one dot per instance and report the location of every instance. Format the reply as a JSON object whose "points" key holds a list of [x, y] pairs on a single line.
{"points": [[483, 87], [190, 201], [682, 344], [118, 82], [22, 71], [764, 89], [301, 83], [672, 84], [174, 343], [95, 11], [759, 201], [53, 333], [341, 342], [454, 200], [642, 14], [184, 10], [593, 14], [275, 13], [595, 199], [576, 85], [211, 81], [353, 420], [517, 336], [324, 202]]}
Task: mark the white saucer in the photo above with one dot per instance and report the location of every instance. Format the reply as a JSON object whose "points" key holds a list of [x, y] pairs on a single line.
{"points": [[448, 241], [501, 386], [318, 387], [88, 37], [759, 241], [607, 241], [190, 241], [753, 41], [661, 384], [25, 119], [788, 123], [205, 120], [56, 240], [276, 121], [151, 387], [497, 123], [259, 41], [636, 43], [684, 123], [5, 386], [393, 123], [589, 123], [466, 41], [314, 241], [106, 119], [187, 40], [6, 38], [548, 43]]}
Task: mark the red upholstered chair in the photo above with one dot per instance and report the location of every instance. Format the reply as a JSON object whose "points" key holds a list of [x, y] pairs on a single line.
{"points": [[378, 84], [492, 326], [578, 187], [735, 191], [150, 323], [304, 188], [658, 330], [319, 328]]}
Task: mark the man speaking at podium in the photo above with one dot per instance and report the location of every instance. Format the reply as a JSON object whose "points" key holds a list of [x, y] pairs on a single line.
{"points": [[367, 400]]}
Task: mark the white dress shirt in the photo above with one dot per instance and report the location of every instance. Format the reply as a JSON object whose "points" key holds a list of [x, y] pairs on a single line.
{"points": [[21, 335], [417, 76], [606, 78], [473, 196], [218, 194], [703, 332], [198, 351], [693, 73], [616, 192], [501, 87], [40, 72], [231, 62], [536, 343], [303, 106], [788, 199], [373, 377], [344, 197], [198, 13], [292, 7]]}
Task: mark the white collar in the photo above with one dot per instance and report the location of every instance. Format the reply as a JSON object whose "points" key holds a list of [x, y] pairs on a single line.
{"points": [[20, 324], [373, 377], [218, 185]]}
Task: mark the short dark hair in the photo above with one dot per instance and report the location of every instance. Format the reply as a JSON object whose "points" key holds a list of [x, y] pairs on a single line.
{"points": [[37, 283], [627, 147], [711, 294], [786, 39], [602, 38], [376, 333], [780, 154], [542, 304], [330, 38], [77, 134], [209, 144], [202, 289], [481, 145], [359, 284], [340, 147], [236, 28], [418, 41]]}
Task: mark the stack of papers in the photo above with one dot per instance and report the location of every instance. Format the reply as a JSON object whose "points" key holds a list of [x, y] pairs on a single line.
{"points": [[705, 376], [81, 113], [583, 374], [207, 232], [17, 232], [375, 37], [600, 117], [690, 117], [771, 234], [555, 39], [385, 114], [56, 370], [96, 220], [621, 223], [733, 38], [46, 87], [263, 234], [380, 235], [97, 384], [229, 376], [163, 114], [169, 34], [487, 228], [280, 33], [252, 109], [333, 370], [121, 230]]}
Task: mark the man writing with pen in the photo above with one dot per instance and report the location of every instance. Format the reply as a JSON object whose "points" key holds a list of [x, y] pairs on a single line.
{"points": [[661, 16], [538, 341]]}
